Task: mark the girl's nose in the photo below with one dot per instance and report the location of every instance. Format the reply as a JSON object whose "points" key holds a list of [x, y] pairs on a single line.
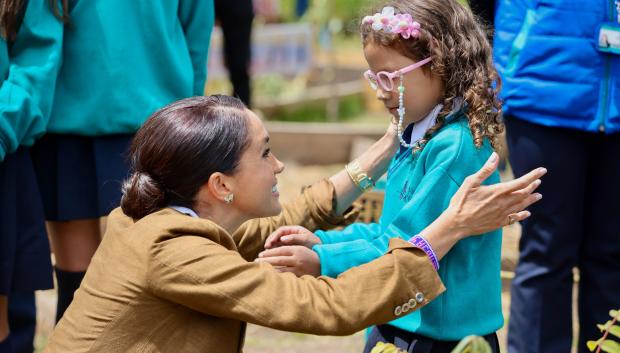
{"points": [[382, 95]]}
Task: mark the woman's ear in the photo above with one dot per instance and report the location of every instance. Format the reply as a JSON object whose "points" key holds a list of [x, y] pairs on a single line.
{"points": [[219, 186]]}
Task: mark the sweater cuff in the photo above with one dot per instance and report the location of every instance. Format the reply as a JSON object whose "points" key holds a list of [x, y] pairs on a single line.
{"points": [[339, 257]]}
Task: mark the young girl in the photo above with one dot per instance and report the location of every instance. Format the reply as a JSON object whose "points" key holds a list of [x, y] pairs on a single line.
{"points": [[431, 65], [122, 60], [174, 272], [30, 46]]}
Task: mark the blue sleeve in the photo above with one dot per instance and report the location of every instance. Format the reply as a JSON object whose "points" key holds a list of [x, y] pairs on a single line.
{"points": [[352, 232], [27, 90], [197, 19], [430, 199]]}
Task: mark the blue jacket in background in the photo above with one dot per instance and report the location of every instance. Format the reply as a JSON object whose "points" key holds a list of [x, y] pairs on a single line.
{"points": [[553, 74]]}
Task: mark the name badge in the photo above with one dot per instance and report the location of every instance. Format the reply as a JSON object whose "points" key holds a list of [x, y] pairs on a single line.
{"points": [[609, 38]]}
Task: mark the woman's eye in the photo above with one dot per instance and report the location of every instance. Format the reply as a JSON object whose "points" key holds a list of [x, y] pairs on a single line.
{"points": [[267, 152]]}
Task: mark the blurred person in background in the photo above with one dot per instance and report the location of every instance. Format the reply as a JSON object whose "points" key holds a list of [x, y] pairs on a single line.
{"points": [[122, 60], [562, 110], [235, 18], [30, 50]]}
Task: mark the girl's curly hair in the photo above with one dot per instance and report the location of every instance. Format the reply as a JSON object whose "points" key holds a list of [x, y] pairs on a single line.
{"points": [[11, 13], [462, 59]]}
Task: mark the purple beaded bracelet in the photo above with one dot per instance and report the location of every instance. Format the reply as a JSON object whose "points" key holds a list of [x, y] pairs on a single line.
{"points": [[422, 244]]}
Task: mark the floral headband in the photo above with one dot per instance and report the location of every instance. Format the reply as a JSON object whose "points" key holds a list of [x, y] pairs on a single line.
{"points": [[387, 21]]}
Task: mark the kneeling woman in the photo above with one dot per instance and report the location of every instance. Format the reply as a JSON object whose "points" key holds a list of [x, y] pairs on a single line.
{"points": [[174, 272]]}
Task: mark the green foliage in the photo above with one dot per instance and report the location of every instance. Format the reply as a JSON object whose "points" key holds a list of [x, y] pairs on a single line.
{"points": [[469, 344], [472, 344], [349, 107], [382, 347], [611, 327]]}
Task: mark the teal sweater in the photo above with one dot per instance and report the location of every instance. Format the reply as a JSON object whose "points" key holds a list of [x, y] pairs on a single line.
{"points": [[418, 190], [124, 59], [29, 66]]}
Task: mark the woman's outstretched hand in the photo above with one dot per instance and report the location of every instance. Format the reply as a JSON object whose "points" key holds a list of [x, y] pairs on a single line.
{"points": [[478, 209]]}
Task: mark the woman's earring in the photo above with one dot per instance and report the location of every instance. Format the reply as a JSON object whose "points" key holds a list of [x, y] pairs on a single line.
{"points": [[229, 198]]}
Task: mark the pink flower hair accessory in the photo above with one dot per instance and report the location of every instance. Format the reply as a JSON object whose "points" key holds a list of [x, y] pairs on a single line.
{"points": [[388, 21]]}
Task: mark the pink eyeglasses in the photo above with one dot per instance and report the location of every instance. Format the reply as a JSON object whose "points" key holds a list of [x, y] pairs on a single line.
{"points": [[386, 79]]}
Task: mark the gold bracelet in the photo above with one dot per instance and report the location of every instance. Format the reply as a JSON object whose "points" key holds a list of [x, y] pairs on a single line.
{"points": [[359, 177]]}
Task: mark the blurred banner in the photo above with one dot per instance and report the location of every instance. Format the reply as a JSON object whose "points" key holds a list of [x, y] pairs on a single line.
{"points": [[282, 48]]}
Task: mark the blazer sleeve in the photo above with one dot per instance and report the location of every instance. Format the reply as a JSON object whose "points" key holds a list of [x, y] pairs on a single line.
{"points": [[197, 19], [208, 278], [313, 209], [425, 206], [27, 91]]}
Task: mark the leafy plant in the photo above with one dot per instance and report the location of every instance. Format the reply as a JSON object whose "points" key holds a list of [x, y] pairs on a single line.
{"points": [[469, 344], [610, 327]]}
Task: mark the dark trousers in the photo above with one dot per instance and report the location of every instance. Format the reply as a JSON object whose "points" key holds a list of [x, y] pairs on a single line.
{"points": [[22, 321], [235, 17], [574, 225], [413, 343]]}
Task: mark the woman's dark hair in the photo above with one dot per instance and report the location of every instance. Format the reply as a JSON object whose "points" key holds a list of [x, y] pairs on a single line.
{"points": [[11, 15], [178, 148]]}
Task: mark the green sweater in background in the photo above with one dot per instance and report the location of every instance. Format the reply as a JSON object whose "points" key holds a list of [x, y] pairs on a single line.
{"points": [[124, 59], [29, 66]]}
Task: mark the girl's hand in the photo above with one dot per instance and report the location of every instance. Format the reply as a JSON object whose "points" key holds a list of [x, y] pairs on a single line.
{"points": [[478, 209], [292, 235], [296, 259]]}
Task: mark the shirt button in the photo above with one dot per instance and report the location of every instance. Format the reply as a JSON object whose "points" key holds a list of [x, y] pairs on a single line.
{"points": [[419, 297]]}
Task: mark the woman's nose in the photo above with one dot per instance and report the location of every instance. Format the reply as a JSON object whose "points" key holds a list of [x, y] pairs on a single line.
{"points": [[279, 165]]}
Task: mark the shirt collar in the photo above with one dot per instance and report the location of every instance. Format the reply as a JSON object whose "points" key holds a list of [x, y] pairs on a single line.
{"points": [[185, 210]]}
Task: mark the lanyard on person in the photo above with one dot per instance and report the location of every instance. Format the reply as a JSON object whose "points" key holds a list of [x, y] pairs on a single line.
{"points": [[609, 32]]}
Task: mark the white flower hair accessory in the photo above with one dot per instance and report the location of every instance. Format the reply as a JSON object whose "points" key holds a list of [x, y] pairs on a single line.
{"points": [[390, 22]]}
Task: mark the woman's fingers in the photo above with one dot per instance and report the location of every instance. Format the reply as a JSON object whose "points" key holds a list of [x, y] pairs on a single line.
{"points": [[520, 216], [487, 169], [522, 182], [522, 204], [525, 192]]}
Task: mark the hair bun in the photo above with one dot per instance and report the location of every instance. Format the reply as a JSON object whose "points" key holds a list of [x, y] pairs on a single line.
{"points": [[142, 195]]}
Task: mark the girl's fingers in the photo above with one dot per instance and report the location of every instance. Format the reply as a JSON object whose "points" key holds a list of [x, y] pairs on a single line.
{"points": [[275, 237], [278, 261], [294, 239], [281, 251]]}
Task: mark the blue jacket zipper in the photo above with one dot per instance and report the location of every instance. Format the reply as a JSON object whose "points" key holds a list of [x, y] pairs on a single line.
{"points": [[605, 97]]}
